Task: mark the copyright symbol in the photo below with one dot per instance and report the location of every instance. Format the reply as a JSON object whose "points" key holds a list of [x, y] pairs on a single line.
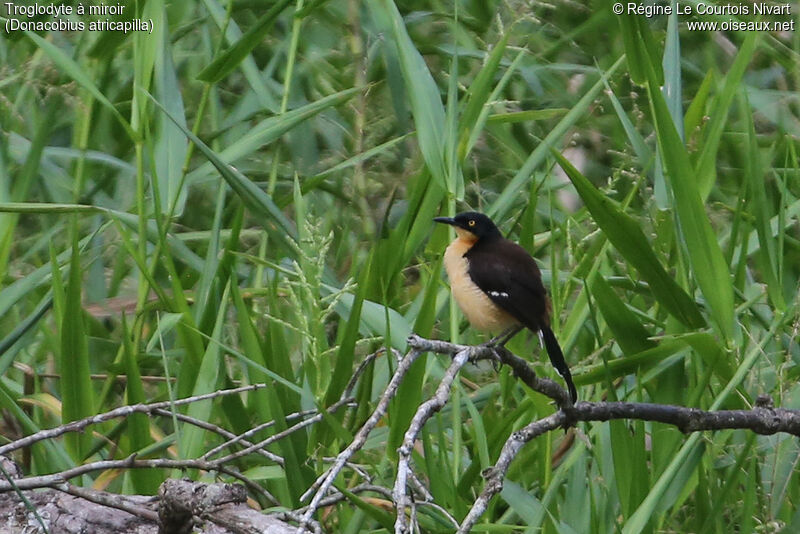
{"points": [[617, 8]]}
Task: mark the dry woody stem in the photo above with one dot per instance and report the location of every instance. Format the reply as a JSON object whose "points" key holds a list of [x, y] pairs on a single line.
{"points": [[409, 491], [763, 418]]}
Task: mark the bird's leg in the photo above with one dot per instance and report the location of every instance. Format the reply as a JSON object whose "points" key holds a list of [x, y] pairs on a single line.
{"points": [[505, 337], [497, 344]]}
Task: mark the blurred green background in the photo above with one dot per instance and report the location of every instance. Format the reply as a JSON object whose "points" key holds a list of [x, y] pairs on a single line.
{"points": [[245, 195]]}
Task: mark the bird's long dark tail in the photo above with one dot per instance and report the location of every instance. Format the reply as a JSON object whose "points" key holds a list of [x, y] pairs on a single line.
{"points": [[558, 361]]}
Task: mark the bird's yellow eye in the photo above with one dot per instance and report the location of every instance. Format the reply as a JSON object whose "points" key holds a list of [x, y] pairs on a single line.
{"points": [[471, 223]]}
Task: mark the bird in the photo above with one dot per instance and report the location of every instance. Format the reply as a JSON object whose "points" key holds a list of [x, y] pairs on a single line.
{"points": [[498, 286]]}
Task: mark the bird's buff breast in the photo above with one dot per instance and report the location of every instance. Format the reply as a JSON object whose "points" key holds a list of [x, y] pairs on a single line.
{"points": [[482, 313]]}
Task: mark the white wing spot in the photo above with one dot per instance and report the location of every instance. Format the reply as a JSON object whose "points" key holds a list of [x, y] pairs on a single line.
{"points": [[498, 294]]}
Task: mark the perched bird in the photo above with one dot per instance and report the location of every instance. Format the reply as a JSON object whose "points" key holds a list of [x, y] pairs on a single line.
{"points": [[498, 285]]}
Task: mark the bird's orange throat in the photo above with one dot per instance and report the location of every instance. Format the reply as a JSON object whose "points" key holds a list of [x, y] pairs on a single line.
{"points": [[466, 236]]}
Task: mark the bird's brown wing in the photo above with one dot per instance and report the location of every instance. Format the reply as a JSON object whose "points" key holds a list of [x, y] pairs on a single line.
{"points": [[511, 279]]}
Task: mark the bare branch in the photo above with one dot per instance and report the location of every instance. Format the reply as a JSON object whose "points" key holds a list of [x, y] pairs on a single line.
{"points": [[762, 419], [122, 411], [324, 482], [519, 366], [426, 410], [496, 474], [280, 435], [230, 436], [120, 502]]}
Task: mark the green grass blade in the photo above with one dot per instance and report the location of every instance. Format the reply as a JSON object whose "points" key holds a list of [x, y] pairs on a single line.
{"points": [[145, 481], [613, 369], [705, 255], [253, 196], [672, 74], [705, 170], [230, 59], [511, 192], [478, 95], [255, 79], [697, 108], [643, 152], [25, 326], [485, 118], [527, 115], [640, 48], [74, 71], [170, 145], [265, 132], [76, 385], [759, 208], [627, 236], [624, 324], [426, 101], [345, 355], [192, 439]]}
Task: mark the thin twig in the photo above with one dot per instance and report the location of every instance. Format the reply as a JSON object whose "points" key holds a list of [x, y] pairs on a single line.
{"points": [[426, 410], [762, 419], [280, 435], [51, 480], [233, 439], [324, 482], [122, 411], [496, 474], [120, 502], [230, 436], [519, 366]]}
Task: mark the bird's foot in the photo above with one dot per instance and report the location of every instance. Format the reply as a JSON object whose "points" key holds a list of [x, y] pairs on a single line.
{"points": [[487, 351]]}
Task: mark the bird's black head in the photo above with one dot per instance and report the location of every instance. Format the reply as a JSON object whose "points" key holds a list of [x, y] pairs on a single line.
{"points": [[472, 225]]}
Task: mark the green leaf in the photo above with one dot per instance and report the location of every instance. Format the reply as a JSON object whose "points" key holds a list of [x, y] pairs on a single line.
{"points": [[74, 71], [759, 208], [192, 438], [383, 517], [705, 255], [527, 115], [77, 395], [627, 236], [170, 145], [511, 192], [262, 134], [478, 95], [671, 84], [697, 109], [145, 481], [474, 130], [253, 196], [628, 331], [705, 172], [345, 355], [613, 369], [426, 101], [228, 60], [640, 47]]}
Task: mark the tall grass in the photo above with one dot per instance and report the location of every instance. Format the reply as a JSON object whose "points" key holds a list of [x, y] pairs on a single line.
{"points": [[246, 195]]}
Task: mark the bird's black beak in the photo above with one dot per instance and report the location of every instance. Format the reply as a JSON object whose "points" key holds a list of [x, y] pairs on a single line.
{"points": [[445, 220]]}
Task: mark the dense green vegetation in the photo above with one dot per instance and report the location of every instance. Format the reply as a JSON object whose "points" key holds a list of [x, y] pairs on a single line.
{"points": [[667, 233]]}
